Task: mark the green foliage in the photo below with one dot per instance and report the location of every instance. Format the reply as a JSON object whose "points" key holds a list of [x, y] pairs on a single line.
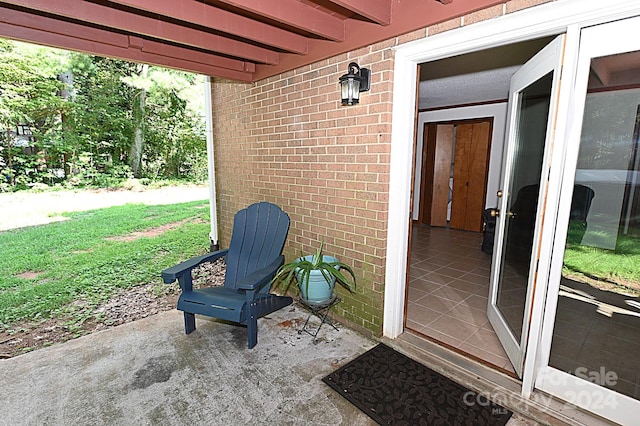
{"points": [[84, 128], [28, 95], [618, 267], [29, 89], [300, 269], [81, 262]]}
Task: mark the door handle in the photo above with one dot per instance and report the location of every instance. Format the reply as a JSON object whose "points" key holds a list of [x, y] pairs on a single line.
{"points": [[496, 213]]}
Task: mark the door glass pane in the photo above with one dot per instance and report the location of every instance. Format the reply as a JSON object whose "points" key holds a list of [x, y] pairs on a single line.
{"points": [[531, 128], [597, 330]]}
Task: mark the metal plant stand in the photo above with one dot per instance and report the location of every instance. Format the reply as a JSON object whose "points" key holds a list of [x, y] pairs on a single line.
{"points": [[321, 310]]}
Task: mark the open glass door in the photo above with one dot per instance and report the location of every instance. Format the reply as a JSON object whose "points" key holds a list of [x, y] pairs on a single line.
{"points": [[592, 319], [532, 107]]}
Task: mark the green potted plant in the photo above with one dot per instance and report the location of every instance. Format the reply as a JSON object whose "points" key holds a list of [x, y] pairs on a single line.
{"points": [[316, 276]]}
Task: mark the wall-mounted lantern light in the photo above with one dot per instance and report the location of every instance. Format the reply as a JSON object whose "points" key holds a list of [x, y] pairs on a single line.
{"points": [[355, 81]]}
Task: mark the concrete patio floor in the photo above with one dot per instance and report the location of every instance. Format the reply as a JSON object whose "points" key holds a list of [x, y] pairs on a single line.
{"points": [[149, 372]]}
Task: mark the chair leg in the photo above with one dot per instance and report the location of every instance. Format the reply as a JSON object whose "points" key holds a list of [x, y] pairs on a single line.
{"points": [[252, 327], [253, 335], [189, 322]]}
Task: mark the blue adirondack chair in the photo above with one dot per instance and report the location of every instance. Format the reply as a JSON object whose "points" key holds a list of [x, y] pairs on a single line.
{"points": [[253, 257]]}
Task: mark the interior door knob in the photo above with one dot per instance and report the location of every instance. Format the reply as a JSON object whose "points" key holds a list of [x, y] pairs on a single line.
{"points": [[496, 213], [500, 193]]}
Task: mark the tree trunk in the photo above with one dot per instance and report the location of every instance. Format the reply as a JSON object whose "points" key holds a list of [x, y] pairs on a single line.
{"points": [[12, 180], [135, 151], [66, 93]]}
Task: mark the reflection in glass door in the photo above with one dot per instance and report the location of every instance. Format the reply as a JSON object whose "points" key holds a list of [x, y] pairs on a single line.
{"points": [[597, 330], [592, 319]]}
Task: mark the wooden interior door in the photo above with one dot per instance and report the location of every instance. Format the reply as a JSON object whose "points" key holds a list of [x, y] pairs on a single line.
{"points": [[426, 176], [436, 171], [471, 160], [441, 174], [465, 144]]}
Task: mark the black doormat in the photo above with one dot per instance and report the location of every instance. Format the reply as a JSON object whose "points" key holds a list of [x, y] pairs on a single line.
{"points": [[393, 389]]}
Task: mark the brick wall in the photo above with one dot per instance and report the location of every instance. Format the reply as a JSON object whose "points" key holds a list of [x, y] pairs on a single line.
{"points": [[287, 140]]}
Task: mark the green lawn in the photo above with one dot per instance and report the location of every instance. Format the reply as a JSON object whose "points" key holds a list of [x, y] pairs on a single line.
{"points": [[620, 267], [45, 271], [64, 269]]}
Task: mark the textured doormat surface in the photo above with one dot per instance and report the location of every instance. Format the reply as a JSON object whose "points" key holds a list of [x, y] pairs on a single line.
{"points": [[393, 389]]}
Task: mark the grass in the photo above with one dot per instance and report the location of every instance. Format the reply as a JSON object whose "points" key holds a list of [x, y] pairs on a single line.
{"points": [[76, 264], [619, 267], [66, 268]]}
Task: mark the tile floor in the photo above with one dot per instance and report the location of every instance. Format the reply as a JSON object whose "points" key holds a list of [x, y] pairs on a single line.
{"points": [[447, 301], [448, 290]]}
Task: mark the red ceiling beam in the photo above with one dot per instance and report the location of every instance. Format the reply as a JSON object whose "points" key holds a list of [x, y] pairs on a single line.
{"points": [[162, 49], [51, 25], [378, 11], [142, 25], [96, 48], [220, 20], [23, 26], [408, 15], [295, 14]]}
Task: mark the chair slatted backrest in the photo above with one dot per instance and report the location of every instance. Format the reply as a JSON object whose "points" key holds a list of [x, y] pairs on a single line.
{"points": [[259, 234]]}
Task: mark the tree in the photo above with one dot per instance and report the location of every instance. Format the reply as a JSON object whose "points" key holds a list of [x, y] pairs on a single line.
{"points": [[102, 125], [28, 96], [97, 120], [138, 107], [173, 132]]}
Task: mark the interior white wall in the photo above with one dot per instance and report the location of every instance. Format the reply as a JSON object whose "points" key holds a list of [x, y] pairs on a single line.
{"points": [[498, 112]]}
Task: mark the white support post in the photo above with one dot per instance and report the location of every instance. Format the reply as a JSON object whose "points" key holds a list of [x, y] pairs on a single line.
{"points": [[208, 112]]}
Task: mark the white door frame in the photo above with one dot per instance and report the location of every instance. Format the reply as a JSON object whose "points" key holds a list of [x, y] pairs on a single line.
{"points": [[563, 16]]}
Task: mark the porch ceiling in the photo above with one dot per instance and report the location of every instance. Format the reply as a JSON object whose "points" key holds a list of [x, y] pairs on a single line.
{"points": [[243, 40]]}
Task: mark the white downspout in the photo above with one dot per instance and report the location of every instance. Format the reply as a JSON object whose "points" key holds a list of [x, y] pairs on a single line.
{"points": [[208, 113]]}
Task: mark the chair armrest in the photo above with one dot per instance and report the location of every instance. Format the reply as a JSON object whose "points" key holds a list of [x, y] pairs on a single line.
{"points": [[259, 278], [173, 273]]}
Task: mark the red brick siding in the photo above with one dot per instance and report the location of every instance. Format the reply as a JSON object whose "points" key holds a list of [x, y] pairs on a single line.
{"points": [[287, 140]]}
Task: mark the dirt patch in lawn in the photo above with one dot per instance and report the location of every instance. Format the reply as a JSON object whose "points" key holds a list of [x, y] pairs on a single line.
{"points": [[26, 208], [126, 306], [29, 275], [153, 232]]}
